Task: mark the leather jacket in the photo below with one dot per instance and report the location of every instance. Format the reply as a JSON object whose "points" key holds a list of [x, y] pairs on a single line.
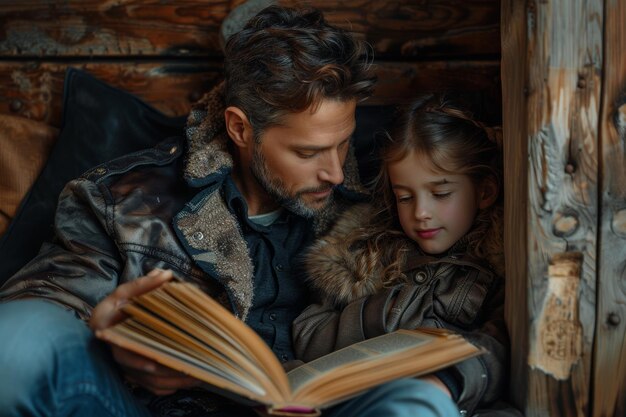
{"points": [[160, 207], [113, 226], [454, 291]]}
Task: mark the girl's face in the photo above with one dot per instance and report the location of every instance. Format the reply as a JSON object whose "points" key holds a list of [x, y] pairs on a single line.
{"points": [[435, 209]]}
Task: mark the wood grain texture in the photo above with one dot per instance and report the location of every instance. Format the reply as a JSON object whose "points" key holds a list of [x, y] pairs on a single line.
{"points": [[394, 28], [34, 89], [609, 399], [111, 28], [563, 65], [515, 147]]}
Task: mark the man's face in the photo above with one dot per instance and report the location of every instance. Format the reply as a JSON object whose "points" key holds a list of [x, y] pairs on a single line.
{"points": [[300, 161], [435, 209]]}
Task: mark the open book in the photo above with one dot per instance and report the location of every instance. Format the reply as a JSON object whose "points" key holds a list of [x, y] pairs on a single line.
{"points": [[181, 327]]}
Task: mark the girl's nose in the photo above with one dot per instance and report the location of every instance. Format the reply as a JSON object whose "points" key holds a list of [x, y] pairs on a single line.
{"points": [[422, 210]]}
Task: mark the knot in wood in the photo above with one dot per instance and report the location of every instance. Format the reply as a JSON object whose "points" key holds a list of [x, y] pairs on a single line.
{"points": [[613, 319]]}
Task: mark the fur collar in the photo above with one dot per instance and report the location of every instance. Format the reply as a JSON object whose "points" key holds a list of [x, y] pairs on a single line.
{"points": [[333, 265], [339, 268]]}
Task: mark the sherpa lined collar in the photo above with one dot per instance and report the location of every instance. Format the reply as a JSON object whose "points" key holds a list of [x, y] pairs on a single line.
{"points": [[209, 231]]}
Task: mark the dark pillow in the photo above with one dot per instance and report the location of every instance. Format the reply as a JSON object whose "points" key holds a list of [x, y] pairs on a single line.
{"points": [[99, 123]]}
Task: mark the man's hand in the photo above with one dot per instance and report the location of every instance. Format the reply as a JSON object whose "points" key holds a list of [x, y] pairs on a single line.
{"points": [[138, 369]]}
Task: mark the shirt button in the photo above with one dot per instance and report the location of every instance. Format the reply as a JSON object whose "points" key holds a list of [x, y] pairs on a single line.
{"points": [[198, 236], [279, 267], [284, 357], [272, 316]]}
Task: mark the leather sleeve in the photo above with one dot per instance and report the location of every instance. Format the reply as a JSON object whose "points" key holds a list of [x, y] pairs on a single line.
{"points": [[83, 264], [483, 379], [321, 328]]}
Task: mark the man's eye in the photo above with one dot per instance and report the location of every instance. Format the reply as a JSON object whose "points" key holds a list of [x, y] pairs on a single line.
{"points": [[441, 196], [306, 155]]}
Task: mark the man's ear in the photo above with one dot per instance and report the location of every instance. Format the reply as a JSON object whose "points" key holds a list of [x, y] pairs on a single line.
{"points": [[487, 193], [238, 127]]}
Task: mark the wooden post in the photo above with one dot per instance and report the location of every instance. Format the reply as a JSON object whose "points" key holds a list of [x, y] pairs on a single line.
{"points": [[609, 395], [551, 84]]}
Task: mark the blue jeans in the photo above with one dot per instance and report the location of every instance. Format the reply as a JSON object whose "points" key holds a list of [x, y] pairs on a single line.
{"points": [[51, 365]]}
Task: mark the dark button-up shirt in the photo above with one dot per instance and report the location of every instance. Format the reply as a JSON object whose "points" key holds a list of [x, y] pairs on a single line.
{"points": [[279, 293]]}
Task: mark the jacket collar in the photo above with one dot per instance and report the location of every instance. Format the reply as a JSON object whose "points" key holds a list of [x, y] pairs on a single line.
{"points": [[208, 229]]}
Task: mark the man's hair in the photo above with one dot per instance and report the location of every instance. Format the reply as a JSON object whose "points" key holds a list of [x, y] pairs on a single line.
{"points": [[286, 60]]}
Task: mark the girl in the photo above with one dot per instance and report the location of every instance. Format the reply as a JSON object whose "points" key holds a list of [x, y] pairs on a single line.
{"points": [[426, 253]]}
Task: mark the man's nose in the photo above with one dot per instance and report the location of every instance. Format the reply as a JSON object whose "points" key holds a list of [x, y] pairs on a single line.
{"points": [[332, 170]]}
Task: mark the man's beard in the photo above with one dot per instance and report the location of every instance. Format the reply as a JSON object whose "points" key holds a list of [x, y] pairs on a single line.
{"points": [[276, 188]]}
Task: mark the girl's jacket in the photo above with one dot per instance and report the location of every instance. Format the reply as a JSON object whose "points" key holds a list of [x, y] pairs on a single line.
{"points": [[454, 291]]}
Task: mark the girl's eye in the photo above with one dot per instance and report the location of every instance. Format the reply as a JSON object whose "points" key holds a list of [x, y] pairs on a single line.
{"points": [[403, 199], [441, 196]]}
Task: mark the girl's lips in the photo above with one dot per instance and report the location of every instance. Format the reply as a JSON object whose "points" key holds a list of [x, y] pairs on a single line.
{"points": [[428, 234]]}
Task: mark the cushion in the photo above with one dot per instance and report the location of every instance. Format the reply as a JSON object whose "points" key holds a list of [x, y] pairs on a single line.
{"points": [[101, 122], [24, 148]]}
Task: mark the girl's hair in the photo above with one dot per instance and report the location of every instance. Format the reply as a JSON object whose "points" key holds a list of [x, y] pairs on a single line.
{"points": [[448, 135]]}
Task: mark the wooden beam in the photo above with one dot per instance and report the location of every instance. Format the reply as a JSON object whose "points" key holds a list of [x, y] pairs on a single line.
{"points": [[34, 89], [609, 394], [551, 72], [515, 148], [395, 28]]}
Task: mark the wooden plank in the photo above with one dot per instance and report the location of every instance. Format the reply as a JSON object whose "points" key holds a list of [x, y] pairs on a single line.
{"points": [[34, 89], [562, 60], [120, 28], [515, 148], [609, 395], [406, 28], [394, 28]]}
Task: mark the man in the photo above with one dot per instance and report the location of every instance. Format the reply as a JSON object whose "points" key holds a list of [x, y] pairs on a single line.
{"points": [[268, 165]]}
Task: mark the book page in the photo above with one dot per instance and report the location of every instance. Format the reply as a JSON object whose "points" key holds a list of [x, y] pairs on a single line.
{"points": [[190, 330], [255, 348], [358, 352], [180, 326], [177, 360], [404, 353]]}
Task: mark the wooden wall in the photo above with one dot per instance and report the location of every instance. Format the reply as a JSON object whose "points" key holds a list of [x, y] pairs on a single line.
{"points": [[169, 51], [564, 116], [564, 79]]}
